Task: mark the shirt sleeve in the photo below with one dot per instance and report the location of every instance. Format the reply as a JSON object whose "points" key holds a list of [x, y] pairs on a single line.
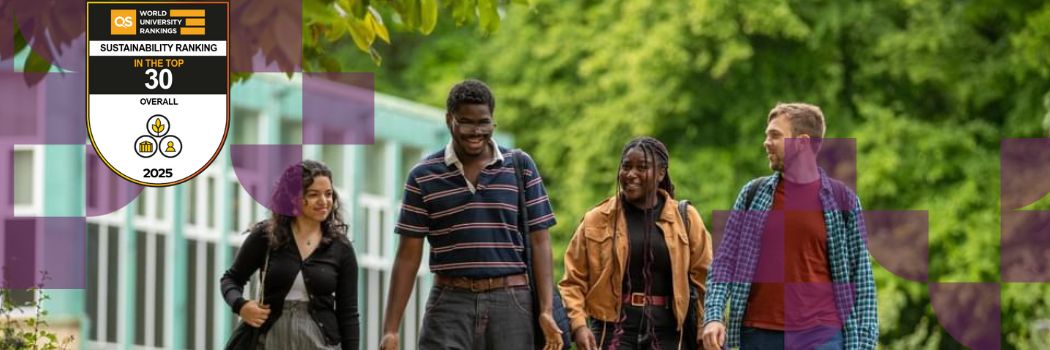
{"points": [[537, 204], [414, 220], [865, 308], [250, 257], [720, 278]]}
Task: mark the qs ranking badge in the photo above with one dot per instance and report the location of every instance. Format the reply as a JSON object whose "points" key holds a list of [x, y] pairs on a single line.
{"points": [[158, 87]]}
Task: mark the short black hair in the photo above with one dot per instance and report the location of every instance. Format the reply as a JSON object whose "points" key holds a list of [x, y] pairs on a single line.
{"points": [[470, 92]]}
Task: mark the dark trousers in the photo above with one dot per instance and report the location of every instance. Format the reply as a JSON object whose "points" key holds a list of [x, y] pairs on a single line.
{"points": [[461, 319], [636, 333], [819, 338]]}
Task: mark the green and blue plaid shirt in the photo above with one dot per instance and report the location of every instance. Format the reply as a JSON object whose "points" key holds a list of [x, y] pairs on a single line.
{"points": [[737, 256]]}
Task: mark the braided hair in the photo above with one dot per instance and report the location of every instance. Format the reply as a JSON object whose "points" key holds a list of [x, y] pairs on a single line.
{"points": [[656, 154]]}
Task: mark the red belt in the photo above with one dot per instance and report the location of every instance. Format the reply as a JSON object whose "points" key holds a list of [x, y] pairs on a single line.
{"points": [[640, 300]]}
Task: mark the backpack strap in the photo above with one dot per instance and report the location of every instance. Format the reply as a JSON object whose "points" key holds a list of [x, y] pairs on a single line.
{"points": [[683, 211], [751, 191]]}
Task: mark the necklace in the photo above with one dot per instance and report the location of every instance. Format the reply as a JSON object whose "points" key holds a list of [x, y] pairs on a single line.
{"points": [[309, 240]]}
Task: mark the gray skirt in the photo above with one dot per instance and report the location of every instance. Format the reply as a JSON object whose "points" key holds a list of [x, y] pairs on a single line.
{"points": [[295, 329]]}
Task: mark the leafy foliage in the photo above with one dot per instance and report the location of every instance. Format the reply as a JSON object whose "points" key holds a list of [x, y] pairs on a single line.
{"points": [[927, 88], [28, 333]]}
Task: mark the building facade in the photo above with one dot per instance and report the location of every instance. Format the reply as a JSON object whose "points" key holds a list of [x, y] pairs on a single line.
{"points": [[153, 267]]}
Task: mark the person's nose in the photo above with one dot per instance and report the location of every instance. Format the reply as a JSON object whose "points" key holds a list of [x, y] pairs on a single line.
{"points": [[632, 174]]}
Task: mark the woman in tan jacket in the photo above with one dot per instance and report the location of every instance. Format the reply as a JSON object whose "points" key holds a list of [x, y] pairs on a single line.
{"points": [[636, 295]]}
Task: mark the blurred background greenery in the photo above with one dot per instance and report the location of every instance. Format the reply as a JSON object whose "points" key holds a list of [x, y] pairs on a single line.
{"points": [[928, 88]]}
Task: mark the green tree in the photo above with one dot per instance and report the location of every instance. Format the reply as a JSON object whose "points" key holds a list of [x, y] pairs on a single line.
{"points": [[325, 24], [928, 89]]}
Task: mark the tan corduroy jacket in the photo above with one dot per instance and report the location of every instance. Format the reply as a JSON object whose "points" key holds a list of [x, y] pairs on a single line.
{"points": [[592, 282]]}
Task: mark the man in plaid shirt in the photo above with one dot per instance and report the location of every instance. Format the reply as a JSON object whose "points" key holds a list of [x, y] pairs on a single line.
{"points": [[793, 265]]}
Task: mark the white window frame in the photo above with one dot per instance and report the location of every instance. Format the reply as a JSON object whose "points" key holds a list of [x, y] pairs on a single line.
{"points": [[201, 234], [36, 205], [117, 220]]}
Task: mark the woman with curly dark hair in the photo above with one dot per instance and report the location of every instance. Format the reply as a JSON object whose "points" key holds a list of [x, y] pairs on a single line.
{"points": [[308, 267], [631, 262]]}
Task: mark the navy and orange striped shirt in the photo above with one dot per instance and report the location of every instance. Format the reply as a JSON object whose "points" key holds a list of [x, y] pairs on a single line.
{"points": [[473, 230]]}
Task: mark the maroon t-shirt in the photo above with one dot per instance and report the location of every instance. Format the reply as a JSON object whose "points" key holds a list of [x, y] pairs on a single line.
{"points": [[791, 288]]}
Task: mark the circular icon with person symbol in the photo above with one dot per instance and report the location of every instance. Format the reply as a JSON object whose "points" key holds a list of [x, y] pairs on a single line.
{"points": [[170, 146]]}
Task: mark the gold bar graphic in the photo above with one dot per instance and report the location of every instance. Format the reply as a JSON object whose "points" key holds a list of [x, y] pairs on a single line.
{"points": [[186, 13], [197, 22], [191, 30]]}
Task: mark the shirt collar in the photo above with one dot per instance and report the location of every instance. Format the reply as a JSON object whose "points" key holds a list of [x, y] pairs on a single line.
{"points": [[452, 159], [825, 181]]}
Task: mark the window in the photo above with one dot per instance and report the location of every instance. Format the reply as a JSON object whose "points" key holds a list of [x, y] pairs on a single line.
{"points": [[140, 291], [409, 157], [291, 132], [102, 282], [150, 292], [332, 156], [160, 203], [209, 206], [375, 168], [20, 259], [235, 200], [202, 288], [22, 164], [140, 203], [245, 128], [191, 206]]}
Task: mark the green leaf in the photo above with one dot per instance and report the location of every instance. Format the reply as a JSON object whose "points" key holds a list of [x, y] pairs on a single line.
{"points": [[20, 42], [489, 15], [336, 30], [319, 11], [359, 8], [376, 58], [378, 26], [408, 10], [428, 16], [38, 66], [463, 11], [362, 33]]}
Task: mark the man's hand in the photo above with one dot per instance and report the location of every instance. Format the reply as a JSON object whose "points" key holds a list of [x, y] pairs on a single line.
{"points": [[584, 339], [714, 336], [389, 342], [551, 332]]}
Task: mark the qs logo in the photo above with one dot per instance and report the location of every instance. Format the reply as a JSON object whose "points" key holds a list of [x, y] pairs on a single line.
{"points": [[122, 22]]}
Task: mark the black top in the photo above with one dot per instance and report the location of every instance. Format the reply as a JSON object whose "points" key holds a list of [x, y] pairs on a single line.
{"points": [[660, 269], [330, 276]]}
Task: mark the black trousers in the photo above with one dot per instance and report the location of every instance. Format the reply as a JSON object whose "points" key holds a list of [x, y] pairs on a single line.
{"points": [[636, 333]]}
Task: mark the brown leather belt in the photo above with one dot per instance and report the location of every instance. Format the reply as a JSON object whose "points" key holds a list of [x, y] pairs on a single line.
{"points": [[642, 300], [482, 284]]}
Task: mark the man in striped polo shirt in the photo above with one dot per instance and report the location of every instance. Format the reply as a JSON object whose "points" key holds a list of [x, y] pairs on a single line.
{"points": [[464, 201]]}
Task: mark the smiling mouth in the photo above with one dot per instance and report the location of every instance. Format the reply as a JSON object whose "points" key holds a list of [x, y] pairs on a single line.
{"points": [[475, 140]]}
